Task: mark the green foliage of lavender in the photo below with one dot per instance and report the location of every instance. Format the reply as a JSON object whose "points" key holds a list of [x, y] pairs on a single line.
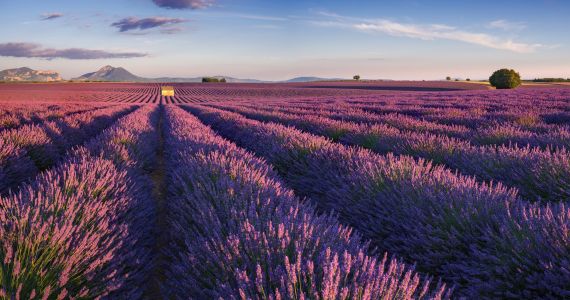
{"points": [[478, 236]]}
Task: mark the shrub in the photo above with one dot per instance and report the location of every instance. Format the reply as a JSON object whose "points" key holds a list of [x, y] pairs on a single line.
{"points": [[448, 78], [468, 79], [356, 77], [505, 79]]}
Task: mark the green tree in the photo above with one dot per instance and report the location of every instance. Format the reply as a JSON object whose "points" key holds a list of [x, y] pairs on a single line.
{"points": [[210, 79], [505, 79]]}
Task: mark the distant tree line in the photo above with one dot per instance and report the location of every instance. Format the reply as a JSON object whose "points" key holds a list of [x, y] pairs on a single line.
{"points": [[551, 80], [213, 79], [448, 78]]}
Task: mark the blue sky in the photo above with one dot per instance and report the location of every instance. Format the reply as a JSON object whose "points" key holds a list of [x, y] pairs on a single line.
{"points": [[277, 40]]}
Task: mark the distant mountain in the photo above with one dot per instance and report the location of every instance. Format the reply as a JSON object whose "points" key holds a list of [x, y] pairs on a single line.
{"points": [[27, 74], [310, 79], [109, 73]]}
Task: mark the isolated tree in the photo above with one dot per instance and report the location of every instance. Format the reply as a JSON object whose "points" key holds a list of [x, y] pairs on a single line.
{"points": [[448, 78], [356, 77], [505, 79], [210, 79]]}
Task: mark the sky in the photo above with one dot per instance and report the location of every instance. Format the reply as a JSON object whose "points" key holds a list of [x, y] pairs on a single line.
{"points": [[279, 39]]}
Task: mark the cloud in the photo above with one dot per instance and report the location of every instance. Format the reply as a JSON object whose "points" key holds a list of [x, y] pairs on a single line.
{"points": [[425, 32], [51, 16], [431, 32], [31, 50], [133, 23], [506, 25], [171, 30], [184, 4], [260, 17]]}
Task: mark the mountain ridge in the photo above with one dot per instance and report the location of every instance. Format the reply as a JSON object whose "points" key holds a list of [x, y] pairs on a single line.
{"points": [[119, 74]]}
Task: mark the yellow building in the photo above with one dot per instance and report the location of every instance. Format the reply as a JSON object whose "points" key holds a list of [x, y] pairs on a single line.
{"points": [[167, 91]]}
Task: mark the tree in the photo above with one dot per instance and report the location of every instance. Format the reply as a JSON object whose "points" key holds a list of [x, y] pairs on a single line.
{"points": [[356, 77], [468, 79], [448, 78], [210, 79], [223, 80], [505, 79]]}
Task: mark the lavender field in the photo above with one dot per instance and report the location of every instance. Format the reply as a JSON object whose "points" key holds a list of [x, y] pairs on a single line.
{"points": [[331, 190]]}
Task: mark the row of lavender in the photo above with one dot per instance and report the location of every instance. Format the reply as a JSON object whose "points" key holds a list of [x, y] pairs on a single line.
{"points": [[481, 237], [522, 129], [538, 175], [14, 115], [237, 232], [31, 148], [468, 108], [83, 228]]}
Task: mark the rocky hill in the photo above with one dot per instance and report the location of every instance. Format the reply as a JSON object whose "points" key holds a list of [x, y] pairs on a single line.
{"points": [[27, 74]]}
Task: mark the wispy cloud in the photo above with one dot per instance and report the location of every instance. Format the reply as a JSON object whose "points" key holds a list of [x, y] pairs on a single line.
{"points": [[424, 32], [132, 23], [260, 17], [51, 16], [506, 25], [31, 50], [184, 4]]}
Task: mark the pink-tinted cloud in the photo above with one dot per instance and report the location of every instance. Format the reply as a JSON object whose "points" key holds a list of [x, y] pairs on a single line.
{"points": [[31, 50]]}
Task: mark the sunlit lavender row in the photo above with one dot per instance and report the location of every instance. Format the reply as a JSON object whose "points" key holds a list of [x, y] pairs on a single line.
{"points": [[81, 229], [268, 191], [14, 115], [35, 147], [522, 128], [237, 231], [538, 175], [481, 237]]}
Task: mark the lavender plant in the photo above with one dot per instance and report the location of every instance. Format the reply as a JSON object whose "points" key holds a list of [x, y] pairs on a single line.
{"points": [[81, 230], [478, 236], [539, 175], [238, 233], [45, 144]]}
